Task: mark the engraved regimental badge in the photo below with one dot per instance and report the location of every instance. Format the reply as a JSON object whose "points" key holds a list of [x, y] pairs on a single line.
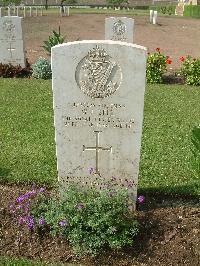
{"points": [[119, 28], [8, 28], [97, 74]]}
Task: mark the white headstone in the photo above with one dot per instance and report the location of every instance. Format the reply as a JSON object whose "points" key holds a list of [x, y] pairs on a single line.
{"points": [[0, 12], [9, 11], [119, 29], [30, 11], [151, 16], [155, 16], [68, 11], [17, 11], [11, 41], [98, 91], [24, 11]]}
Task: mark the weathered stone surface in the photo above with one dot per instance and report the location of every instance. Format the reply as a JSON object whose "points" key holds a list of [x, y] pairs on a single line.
{"points": [[119, 29], [98, 91], [11, 41]]}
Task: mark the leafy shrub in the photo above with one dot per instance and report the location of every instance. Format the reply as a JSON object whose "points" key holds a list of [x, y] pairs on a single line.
{"points": [[192, 11], [191, 70], [42, 69], [53, 40], [156, 66], [91, 220], [196, 148], [10, 71], [168, 10]]}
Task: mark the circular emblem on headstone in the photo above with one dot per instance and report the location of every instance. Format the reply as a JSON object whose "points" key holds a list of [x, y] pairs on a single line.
{"points": [[119, 27], [97, 74], [8, 28]]}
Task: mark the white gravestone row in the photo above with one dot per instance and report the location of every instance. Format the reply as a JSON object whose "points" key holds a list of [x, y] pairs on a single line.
{"points": [[22, 11], [11, 41], [98, 91], [119, 29]]}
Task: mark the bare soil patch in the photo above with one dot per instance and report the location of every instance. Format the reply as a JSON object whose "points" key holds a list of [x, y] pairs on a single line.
{"points": [[169, 235], [175, 36]]}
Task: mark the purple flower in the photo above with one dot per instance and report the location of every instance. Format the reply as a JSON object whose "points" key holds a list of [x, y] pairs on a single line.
{"points": [[90, 170], [21, 220], [20, 198], [41, 221], [26, 210], [30, 193], [30, 222], [62, 223], [25, 196], [141, 199], [42, 189], [80, 206]]}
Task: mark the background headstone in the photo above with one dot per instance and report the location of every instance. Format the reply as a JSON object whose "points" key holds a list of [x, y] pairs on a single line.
{"points": [[11, 41], [155, 16], [98, 91], [119, 29], [151, 16]]}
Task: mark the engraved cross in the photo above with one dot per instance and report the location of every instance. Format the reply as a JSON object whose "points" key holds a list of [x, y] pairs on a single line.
{"points": [[97, 148], [10, 49]]}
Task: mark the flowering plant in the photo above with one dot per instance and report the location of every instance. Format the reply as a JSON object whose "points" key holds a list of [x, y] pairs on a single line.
{"points": [[156, 66], [89, 219], [21, 208], [191, 70]]}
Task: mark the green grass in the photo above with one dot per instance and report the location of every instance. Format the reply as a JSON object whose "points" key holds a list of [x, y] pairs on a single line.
{"points": [[24, 262], [130, 12], [19, 262], [27, 134], [98, 11]]}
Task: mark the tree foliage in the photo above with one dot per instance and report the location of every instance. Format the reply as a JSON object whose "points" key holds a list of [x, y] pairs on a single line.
{"points": [[10, 2], [115, 3]]}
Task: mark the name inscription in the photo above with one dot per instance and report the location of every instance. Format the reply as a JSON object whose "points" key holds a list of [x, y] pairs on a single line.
{"points": [[97, 115]]}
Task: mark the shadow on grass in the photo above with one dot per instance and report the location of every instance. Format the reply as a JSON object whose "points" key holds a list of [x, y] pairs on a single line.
{"points": [[177, 197], [4, 172]]}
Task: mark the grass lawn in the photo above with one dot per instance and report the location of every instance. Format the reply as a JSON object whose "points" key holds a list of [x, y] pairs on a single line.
{"points": [[19, 262], [24, 262], [27, 136], [98, 11], [130, 12]]}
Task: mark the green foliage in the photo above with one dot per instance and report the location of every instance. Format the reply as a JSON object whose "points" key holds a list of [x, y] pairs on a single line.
{"points": [[10, 71], [192, 11], [90, 220], [42, 69], [165, 10], [22, 262], [156, 66], [53, 40], [196, 148], [191, 70], [9, 2], [116, 3]]}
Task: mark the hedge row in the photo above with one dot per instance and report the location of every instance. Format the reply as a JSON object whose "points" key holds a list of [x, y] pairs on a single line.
{"points": [[168, 9], [192, 11]]}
